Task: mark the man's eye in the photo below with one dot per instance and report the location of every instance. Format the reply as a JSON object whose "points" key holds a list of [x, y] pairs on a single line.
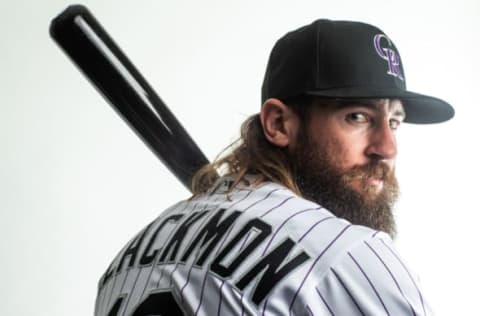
{"points": [[357, 118], [394, 124]]}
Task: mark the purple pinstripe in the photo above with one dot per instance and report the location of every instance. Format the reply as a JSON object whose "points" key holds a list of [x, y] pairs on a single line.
{"points": [[314, 263], [369, 281], [393, 277]]}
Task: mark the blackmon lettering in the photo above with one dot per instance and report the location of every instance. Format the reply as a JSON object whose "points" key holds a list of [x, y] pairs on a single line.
{"points": [[271, 268]]}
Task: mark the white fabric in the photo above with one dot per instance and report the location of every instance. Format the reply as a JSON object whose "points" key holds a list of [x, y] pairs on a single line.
{"points": [[344, 269]]}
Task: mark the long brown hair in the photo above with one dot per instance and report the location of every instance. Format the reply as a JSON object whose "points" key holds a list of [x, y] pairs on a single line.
{"points": [[253, 154]]}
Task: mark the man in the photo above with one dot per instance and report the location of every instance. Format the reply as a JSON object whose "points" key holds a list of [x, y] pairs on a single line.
{"points": [[300, 222]]}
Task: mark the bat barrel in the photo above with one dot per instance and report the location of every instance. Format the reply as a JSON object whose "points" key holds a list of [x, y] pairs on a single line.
{"points": [[90, 47]]}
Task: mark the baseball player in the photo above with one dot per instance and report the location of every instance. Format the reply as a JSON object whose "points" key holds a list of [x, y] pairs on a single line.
{"points": [[297, 218]]}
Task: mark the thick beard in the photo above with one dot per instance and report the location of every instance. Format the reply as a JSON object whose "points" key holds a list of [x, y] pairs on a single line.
{"points": [[320, 181]]}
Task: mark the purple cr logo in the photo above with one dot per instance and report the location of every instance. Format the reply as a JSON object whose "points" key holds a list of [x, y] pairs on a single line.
{"points": [[389, 55]]}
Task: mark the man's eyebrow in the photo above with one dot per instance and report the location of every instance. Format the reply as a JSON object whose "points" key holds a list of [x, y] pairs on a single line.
{"points": [[371, 104]]}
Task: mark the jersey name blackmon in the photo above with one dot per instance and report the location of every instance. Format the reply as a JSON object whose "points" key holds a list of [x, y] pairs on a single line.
{"points": [[273, 264]]}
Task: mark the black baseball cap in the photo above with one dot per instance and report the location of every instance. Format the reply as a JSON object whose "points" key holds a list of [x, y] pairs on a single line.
{"points": [[343, 60]]}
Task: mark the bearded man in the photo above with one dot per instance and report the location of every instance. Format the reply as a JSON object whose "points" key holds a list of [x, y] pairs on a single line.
{"points": [[297, 218]]}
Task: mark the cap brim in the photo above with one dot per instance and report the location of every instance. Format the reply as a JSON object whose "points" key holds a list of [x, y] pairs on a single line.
{"points": [[419, 108]]}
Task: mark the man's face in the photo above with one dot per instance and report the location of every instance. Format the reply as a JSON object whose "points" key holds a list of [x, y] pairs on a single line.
{"points": [[344, 159]]}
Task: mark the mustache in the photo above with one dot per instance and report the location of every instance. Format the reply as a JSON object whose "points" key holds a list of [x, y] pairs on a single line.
{"points": [[378, 170]]}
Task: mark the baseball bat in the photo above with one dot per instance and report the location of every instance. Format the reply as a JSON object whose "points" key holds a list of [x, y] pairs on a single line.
{"points": [[104, 64]]}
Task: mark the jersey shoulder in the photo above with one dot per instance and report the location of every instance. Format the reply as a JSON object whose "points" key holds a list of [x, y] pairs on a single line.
{"points": [[308, 223], [369, 278]]}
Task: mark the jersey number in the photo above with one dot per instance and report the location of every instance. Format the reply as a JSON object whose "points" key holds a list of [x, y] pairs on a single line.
{"points": [[161, 303]]}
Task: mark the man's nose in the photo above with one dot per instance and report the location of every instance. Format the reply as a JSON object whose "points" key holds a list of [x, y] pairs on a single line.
{"points": [[383, 144]]}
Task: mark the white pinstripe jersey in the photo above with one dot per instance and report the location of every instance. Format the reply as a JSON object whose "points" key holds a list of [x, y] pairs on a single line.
{"points": [[257, 251]]}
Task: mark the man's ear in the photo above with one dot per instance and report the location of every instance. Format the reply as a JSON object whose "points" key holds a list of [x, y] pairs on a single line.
{"points": [[280, 124]]}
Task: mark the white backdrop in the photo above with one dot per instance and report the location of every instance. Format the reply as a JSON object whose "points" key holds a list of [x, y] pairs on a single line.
{"points": [[77, 183]]}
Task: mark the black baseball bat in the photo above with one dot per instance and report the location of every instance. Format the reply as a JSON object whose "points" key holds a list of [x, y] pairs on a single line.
{"points": [[95, 53]]}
